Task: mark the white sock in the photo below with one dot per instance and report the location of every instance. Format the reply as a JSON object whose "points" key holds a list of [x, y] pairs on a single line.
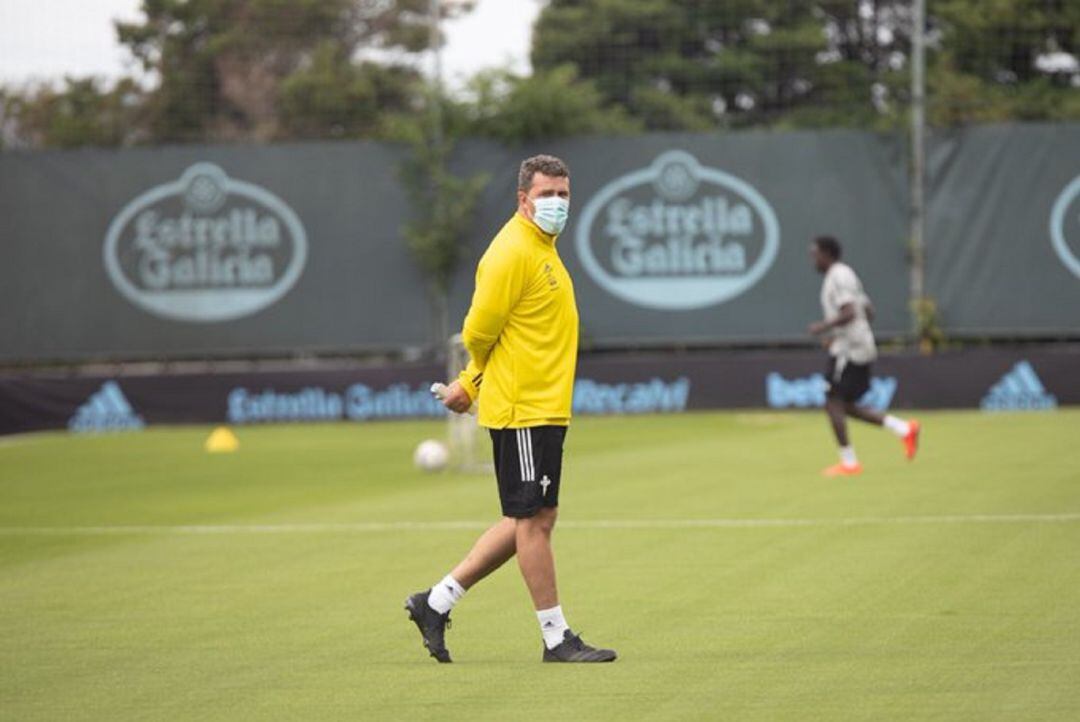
{"points": [[847, 456], [445, 595], [897, 426], [552, 626]]}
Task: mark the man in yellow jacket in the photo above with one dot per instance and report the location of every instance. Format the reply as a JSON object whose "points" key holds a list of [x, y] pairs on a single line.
{"points": [[521, 333]]}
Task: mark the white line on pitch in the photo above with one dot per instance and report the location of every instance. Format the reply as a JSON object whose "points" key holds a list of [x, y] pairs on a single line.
{"points": [[405, 526]]}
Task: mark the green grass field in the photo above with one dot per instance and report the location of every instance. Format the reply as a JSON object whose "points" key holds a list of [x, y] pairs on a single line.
{"points": [[735, 582]]}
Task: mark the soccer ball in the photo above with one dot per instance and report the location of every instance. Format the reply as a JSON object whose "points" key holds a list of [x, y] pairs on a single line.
{"points": [[431, 455]]}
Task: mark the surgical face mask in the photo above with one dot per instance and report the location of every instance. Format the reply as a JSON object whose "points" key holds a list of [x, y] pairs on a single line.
{"points": [[550, 213]]}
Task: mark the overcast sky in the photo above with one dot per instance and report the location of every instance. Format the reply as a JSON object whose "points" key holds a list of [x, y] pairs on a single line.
{"points": [[42, 39]]}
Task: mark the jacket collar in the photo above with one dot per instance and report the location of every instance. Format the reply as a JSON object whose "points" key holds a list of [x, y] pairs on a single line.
{"points": [[533, 230]]}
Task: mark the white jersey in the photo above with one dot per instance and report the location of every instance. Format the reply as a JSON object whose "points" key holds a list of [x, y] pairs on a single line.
{"points": [[854, 341]]}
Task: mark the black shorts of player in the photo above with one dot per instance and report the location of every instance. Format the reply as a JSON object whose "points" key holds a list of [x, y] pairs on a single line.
{"points": [[847, 381], [528, 465]]}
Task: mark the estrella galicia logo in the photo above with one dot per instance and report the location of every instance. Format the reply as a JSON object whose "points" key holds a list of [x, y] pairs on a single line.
{"points": [[780, 393], [205, 248], [106, 410], [1019, 390], [1065, 226], [677, 235], [358, 402]]}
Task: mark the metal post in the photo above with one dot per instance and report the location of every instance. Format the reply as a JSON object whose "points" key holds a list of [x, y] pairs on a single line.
{"points": [[918, 158]]}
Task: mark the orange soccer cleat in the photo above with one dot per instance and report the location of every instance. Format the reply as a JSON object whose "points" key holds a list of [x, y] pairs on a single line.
{"points": [[911, 441], [843, 470]]}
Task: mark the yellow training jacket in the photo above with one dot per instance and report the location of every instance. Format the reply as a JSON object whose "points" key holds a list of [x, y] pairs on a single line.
{"points": [[521, 331]]}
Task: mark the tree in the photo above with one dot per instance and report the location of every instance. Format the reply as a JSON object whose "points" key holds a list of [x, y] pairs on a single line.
{"points": [[691, 65], [688, 65], [334, 97], [247, 69], [548, 104], [243, 70], [443, 209], [80, 112], [10, 133], [1015, 60]]}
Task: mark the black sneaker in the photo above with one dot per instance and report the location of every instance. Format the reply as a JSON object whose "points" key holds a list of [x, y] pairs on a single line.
{"points": [[573, 649], [431, 624]]}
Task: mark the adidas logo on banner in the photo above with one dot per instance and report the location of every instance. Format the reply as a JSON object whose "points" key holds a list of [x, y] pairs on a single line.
{"points": [[107, 410], [1019, 390]]}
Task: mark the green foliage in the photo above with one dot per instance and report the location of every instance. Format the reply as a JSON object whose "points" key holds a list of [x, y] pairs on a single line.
{"points": [[548, 104], [334, 97], [81, 112], [680, 65], [443, 209], [243, 70], [1001, 61], [263, 70], [930, 336], [248, 69], [8, 122], [658, 108], [685, 65]]}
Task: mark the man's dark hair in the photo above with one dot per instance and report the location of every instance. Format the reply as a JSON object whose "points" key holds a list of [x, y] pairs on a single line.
{"points": [[549, 165], [829, 246]]}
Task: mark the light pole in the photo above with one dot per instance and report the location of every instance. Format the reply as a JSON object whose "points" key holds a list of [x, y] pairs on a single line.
{"points": [[918, 162]]}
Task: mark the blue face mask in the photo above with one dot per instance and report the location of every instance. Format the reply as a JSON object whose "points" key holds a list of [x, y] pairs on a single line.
{"points": [[551, 213]]}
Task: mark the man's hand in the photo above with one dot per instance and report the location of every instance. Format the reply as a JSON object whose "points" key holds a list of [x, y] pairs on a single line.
{"points": [[457, 399], [817, 328]]}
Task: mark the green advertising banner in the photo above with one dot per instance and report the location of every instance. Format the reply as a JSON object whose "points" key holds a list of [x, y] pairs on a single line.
{"points": [[1003, 233], [704, 238], [673, 239], [191, 251]]}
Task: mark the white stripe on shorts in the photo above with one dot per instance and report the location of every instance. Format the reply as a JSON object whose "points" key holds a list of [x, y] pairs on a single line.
{"points": [[521, 455], [529, 455]]}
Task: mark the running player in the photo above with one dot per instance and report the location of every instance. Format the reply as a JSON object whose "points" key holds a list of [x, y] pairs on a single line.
{"points": [[846, 332]]}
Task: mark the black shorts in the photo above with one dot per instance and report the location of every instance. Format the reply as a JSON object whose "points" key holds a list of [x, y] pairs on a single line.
{"points": [[528, 465], [847, 381]]}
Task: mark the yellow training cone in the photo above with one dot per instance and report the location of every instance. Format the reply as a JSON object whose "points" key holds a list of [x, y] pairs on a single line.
{"points": [[222, 441]]}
